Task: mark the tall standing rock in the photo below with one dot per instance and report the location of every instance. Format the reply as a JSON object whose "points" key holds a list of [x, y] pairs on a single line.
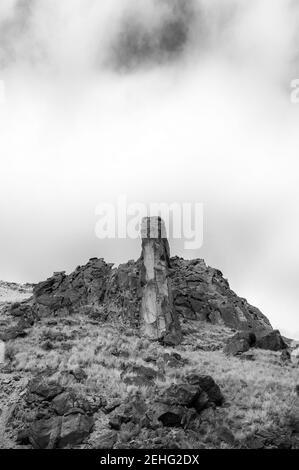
{"points": [[158, 317]]}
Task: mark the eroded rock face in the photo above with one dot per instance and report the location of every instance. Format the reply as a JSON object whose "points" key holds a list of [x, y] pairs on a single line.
{"points": [[62, 294], [202, 293], [153, 292], [54, 416], [158, 316]]}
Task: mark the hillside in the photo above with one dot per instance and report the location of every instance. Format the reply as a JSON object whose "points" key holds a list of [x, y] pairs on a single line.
{"points": [[157, 353], [12, 292]]}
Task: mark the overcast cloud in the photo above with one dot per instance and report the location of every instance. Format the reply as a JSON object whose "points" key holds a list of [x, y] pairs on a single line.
{"points": [[161, 100]]}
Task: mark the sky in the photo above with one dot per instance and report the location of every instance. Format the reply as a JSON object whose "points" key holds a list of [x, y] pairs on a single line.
{"points": [[160, 101]]}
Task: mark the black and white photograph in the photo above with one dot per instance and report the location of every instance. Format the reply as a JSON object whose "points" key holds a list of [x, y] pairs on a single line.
{"points": [[149, 227]]}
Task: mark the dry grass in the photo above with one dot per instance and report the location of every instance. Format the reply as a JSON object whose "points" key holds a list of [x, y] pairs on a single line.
{"points": [[258, 394]]}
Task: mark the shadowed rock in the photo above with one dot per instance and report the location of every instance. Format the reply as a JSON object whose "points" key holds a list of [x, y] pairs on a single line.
{"points": [[271, 340]]}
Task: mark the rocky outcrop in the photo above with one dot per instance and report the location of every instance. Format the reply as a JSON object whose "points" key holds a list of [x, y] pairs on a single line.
{"points": [[87, 285], [153, 293], [201, 293], [158, 316], [54, 416]]}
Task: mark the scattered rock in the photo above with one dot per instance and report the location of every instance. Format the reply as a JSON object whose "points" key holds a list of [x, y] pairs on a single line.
{"points": [[285, 356], [44, 433], [62, 403], [14, 332], [173, 360], [48, 346], [23, 437], [252, 442], [173, 417], [176, 403], [247, 356], [225, 435], [106, 440], [79, 374], [46, 389], [74, 429], [271, 340], [209, 386], [240, 343]]}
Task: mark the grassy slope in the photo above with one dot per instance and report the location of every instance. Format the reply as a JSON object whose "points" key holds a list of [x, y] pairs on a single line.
{"points": [[258, 394]]}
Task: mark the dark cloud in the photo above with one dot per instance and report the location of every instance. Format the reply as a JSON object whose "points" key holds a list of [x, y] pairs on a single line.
{"points": [[155, 41]]}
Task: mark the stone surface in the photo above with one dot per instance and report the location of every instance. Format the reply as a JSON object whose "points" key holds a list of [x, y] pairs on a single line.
{"points": [[44, 433], [174, 406], [74, 429], [225, 435], [240, 343], [158, 316], [200, 292], [61, 293], [106, 440], [45, 389], [271, 340]]}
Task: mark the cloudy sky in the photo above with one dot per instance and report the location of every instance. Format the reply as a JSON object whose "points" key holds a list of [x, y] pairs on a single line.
{"points": [[162, 101]]}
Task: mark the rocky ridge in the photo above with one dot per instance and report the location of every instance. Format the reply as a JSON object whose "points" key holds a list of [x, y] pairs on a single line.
{"points": [[121, 357], [197, 292]]}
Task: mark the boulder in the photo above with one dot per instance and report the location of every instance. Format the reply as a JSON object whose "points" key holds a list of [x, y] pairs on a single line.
{"points": [[47, 389], [240, 343], [44, 433], [207, 384], [106, 440], [182, 394], [62, 403], [14, 332], [173, 360], [172, 417], [271, 340], [197, 392], [74, 429]]}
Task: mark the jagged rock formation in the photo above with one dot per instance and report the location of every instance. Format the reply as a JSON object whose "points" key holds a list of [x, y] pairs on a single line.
{"points": [[86, 286], [202, 293], [152, 293], [158, 316]]}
